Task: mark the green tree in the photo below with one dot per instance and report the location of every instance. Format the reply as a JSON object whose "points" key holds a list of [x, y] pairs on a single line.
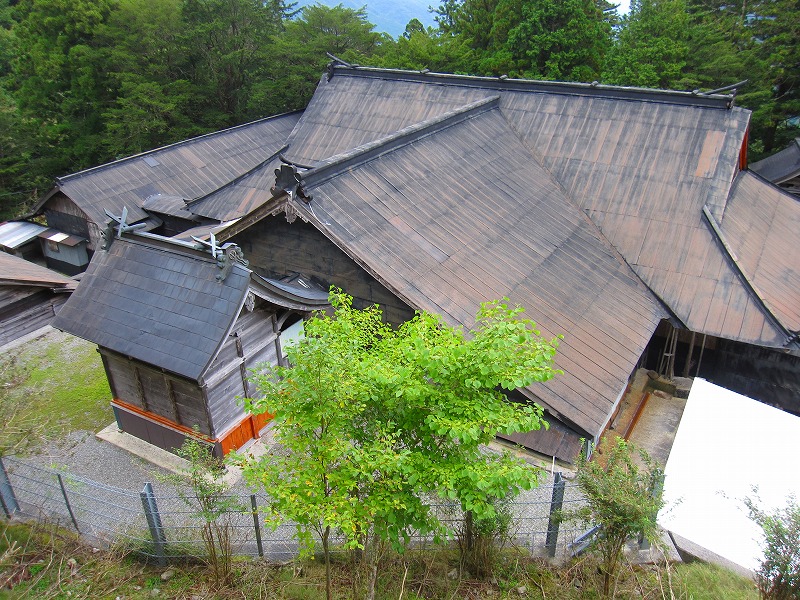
{"points": [[425, 48], [562, 40], [623, 498], [375, 421], [58, 77], [227, 44], [775, 97], [155, 102], [720, 44], [298, 56], [650, 49], [532, 38], [208, 495]]}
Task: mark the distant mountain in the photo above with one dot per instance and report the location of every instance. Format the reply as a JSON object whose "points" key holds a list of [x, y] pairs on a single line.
{"points": [[387, 15]]}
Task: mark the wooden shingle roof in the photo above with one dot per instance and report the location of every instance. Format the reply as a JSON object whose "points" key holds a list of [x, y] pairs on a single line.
{"points": [[156, 305], [761, 226], [18, 271], [455, 212], [188, 169], [643, 164]]}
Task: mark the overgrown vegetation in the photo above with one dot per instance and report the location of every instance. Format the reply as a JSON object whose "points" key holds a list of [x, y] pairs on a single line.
{"points": [[51, 386], [208, 498], [778, 575], [623, 499], [45, 563]]}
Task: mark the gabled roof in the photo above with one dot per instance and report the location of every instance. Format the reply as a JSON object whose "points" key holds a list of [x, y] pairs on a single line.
{"points": [[242, 195], [166, 304], [761, 228], [453, 212], [188, 169], [781, 166], [367, 104], [18, 271], [643, 164]]}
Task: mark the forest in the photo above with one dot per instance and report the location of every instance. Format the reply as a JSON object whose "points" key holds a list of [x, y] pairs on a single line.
{"points": [[83, 82]]}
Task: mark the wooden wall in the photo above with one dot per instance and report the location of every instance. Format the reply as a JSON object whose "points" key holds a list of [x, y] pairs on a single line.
{"points": [[771, 376], [254, 340], [213, 407], [24, 309], [145, 387], [63, 214], [276, 248]]}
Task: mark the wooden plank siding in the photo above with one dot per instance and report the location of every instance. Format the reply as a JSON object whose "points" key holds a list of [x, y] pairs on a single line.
{"points": [[276, 249], [137, 384]]}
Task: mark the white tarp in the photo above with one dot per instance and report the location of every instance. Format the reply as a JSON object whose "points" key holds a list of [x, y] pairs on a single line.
{"points": [[727, 443]]}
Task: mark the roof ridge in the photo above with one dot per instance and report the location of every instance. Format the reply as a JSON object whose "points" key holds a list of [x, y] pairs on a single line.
{"points": [[402, 137], [238, 178], [728, 251], [505, 83], [79, 174]]}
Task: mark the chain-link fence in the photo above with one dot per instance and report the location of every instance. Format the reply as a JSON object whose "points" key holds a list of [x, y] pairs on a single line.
{"points": [[163, 523]]}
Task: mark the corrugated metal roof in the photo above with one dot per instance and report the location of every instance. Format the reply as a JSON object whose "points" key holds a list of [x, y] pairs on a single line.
{"points": [[16, 233], [188, 169], [465, 215], [60, 237]]}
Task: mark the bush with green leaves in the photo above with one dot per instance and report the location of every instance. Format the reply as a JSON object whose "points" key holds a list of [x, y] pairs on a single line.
{"points": [[623, 499], [481, 538], [778, 576]]}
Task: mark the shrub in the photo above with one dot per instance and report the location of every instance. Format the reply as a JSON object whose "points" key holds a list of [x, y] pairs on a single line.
{"points": [[623, 498], [778, 576]]}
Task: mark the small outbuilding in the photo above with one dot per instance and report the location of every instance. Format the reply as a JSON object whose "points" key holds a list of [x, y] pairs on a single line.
{"points": [[179, 326], [30, 296]]}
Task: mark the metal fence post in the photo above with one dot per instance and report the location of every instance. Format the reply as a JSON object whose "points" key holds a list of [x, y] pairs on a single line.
{"points": [[553, 520], [658, 489], [154, 523], [256, 525], [66, 501], [7, 497]]}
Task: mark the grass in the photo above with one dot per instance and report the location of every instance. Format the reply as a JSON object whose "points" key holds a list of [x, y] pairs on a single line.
{"points": [[53, 385], [44, 562], [702, 581]]}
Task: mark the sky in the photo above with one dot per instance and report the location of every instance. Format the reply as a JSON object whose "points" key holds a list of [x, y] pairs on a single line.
{"points": [[392, 17]]}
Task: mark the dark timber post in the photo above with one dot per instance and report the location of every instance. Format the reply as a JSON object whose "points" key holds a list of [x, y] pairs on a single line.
{"points": [[7, 497], [553, 521], [257, 525], [154, 522]]}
